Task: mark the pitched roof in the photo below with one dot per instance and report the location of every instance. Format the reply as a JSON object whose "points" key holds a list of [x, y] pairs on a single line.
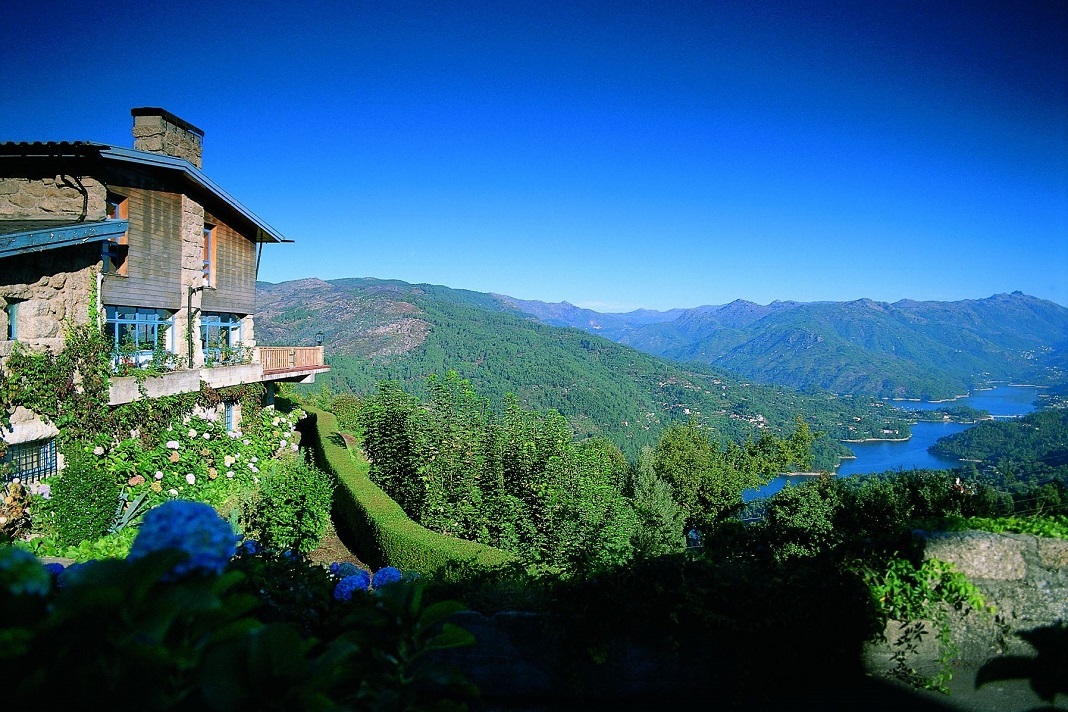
{"points": [[178, 168]]}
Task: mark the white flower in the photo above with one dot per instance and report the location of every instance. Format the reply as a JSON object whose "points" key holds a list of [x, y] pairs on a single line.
{"points": [[245, 441], [192, 433], [172, 444], [253, 468], [255, 459], [294, 447], [169, 428], [275, 421], [98, 450], [282, 444], [159, 475], [191, 479], [230, 475], [234, 435], [135, 433], [207, 436], [229, 460], [255, 479], [185, 420], [172, 492]]}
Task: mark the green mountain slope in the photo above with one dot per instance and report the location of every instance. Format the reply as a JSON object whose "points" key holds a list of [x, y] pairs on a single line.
{"points": [[387, 330], [907, 349]]}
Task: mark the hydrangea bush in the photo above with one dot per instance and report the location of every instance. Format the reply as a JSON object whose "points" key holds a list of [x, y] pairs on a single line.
{"points": [[192, 528], [218, 626], [194, 459]]}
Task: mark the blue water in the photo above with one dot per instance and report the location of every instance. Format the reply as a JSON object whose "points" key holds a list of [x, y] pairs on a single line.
{"points": [[1001, 402], [1004, 401]]}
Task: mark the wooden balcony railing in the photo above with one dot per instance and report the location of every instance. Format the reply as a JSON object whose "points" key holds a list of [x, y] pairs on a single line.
{"points": [[290, 358]]}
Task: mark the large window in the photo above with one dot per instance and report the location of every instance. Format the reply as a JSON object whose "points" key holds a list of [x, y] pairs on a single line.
{"points": [[139, 336], [113, 252], [29, 462], [220, 338]]}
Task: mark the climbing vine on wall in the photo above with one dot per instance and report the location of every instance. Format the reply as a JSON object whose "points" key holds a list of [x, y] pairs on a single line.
{"points": [[69, 388]]}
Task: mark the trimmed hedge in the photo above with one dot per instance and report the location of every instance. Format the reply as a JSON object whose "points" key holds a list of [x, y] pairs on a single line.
{"points": [[378, 526]]}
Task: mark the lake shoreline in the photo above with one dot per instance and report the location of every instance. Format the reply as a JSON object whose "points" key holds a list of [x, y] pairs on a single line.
{"points": [[876, 455]]}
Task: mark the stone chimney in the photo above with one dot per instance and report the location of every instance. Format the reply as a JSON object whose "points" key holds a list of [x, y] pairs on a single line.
{"points": [[159, 131]]}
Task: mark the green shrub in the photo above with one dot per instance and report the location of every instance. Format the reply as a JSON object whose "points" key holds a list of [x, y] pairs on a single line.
{"points": [[800, 520], [84, 497], [346, 407], [381, 530], [292, 508]]}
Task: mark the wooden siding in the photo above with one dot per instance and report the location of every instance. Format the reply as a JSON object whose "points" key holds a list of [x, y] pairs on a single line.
{"points": [[154, 264], [235, 272]]}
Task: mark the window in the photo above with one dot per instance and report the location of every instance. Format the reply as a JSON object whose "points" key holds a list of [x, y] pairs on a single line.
{"points": [[12, 311], [30, 461], [228, 415], [139, 335], [113, 252], [220, 338], [209, 255]]}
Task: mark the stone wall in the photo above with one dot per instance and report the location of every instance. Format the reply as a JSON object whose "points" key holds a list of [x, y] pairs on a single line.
{"points": [[51, 287], [58, 197], [1023, 577]]}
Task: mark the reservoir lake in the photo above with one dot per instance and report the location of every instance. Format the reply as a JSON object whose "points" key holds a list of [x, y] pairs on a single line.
{"points": [[880, 456]]}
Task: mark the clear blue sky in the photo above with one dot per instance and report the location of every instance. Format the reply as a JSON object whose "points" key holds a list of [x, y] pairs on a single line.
{"points": [[612, 154]]}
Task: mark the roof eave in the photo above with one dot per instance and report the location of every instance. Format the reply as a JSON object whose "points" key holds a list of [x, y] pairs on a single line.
{"points": [[39, 240], [264, 232]]}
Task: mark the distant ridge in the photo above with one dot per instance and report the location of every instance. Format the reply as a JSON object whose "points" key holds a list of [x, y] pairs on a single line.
{"points": [[907, 349]]}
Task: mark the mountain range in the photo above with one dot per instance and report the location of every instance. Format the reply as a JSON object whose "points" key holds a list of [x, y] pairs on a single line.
{"points": [[906, 349]]}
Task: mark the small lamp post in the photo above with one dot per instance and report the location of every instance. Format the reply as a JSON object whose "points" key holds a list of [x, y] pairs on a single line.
{"points": [[319, 339]]}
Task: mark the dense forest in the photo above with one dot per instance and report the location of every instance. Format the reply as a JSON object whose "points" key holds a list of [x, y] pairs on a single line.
{"points": [[517, 480], [1020, 454]]}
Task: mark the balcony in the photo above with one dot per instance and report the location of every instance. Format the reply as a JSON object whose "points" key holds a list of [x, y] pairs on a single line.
{"points": [[268, 363], [283, 359]]}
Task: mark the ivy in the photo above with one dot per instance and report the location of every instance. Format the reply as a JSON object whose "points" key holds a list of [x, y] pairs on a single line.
{"points": [[70, 388], [914, 595]]}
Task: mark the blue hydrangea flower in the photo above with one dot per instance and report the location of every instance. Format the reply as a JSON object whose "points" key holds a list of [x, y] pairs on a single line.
{"points": [[55, 568], [21, 573], [250, 547], [386, 576], [346, 586], [344, 569], [192, 527]]}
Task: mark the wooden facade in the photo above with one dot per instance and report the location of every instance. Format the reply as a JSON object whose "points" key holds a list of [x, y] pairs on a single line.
{"points": [[153, 276], [235, 272]]}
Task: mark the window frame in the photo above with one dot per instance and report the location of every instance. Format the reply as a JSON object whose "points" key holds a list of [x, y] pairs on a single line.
{"points": [[142, 324], [229, 329], [31, 461], [115, 251], [209, 253], [12, 311]]}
